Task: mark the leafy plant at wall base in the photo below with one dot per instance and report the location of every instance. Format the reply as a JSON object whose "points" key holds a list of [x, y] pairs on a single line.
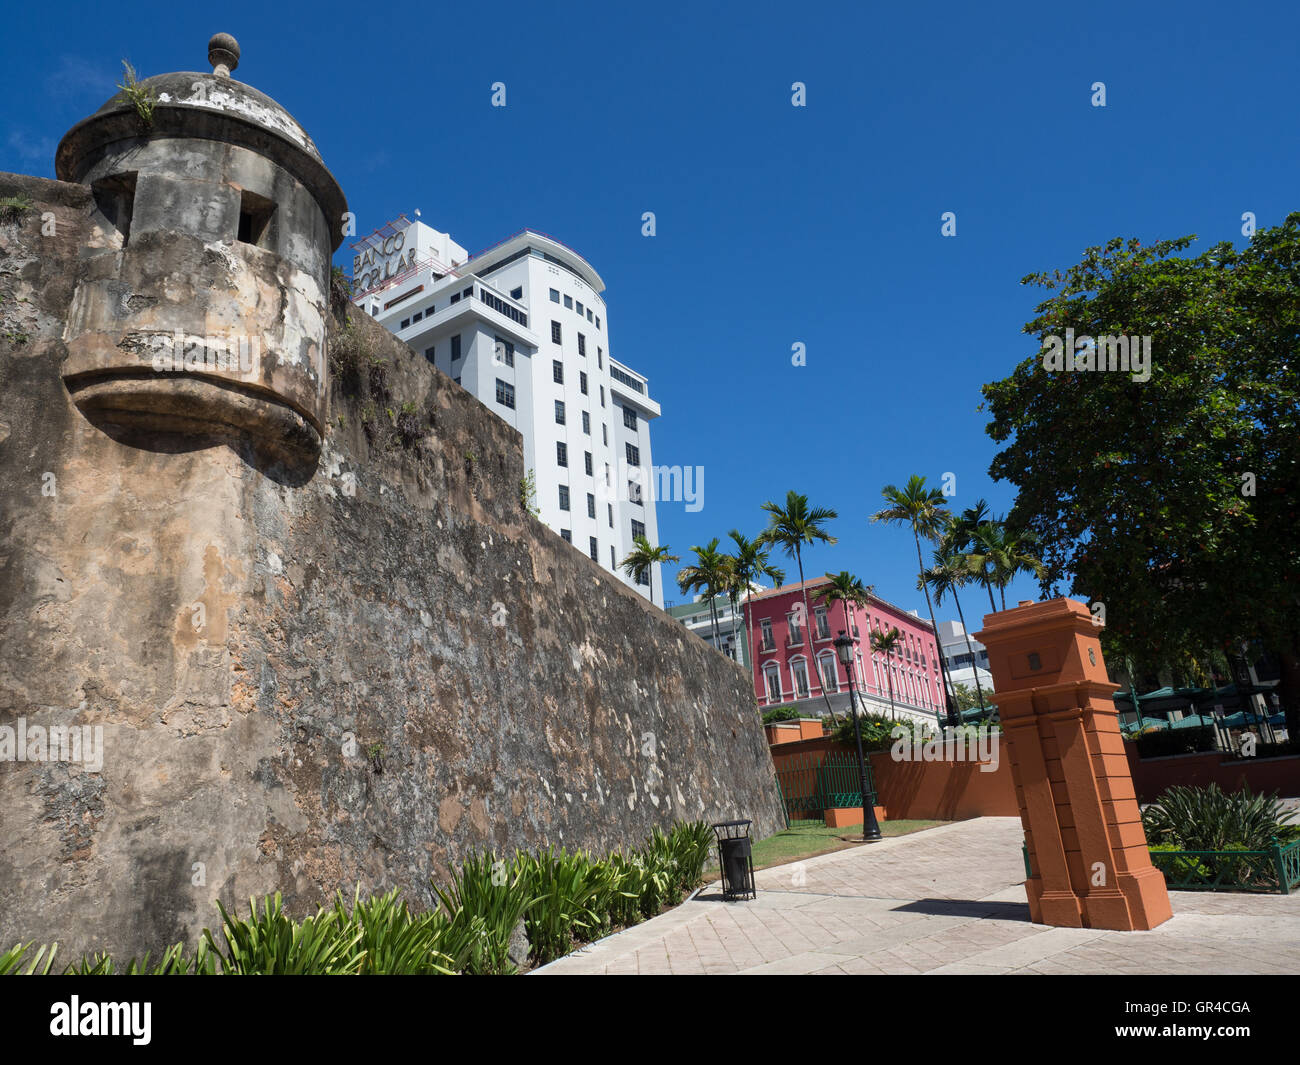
{"points": [[11, 961], [392, 940], [484, 902], [270, 943]]}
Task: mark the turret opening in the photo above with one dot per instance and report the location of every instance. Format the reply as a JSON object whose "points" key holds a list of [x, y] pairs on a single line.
{"points": [[255, 213]]}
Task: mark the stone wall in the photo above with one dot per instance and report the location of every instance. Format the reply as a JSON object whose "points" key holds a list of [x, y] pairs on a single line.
{"points": [[308, 679]]}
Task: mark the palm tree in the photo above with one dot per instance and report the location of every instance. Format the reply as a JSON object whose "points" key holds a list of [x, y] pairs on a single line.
{"points": [[925, 511], [643, 558], [985, 558], [962, 529], [711, 575], [847, 589], [749, 562], [950, 571], [789, 528], [999, 554], [886, 643]]}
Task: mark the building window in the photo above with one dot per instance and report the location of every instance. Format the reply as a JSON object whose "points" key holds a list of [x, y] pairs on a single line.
{"points": [[404, 323], [591, 505], [796, 634], [610, 507], [429, 354], [568, 302], [586, 461], [830, 673], [769, 644], [600, 359], [504, 352], [578, 307], [597, 321], [455, 298], [555, 333], [589, 314], [561, 453], [613, 560], [564, 497], [586, 423], [417, 316], [557, 371], [594, 549], [505, 393], [517, 293], [455, 347], [772, 679], [799, 670], [633, 455], [602, 395], [634, 492], [555, 295], [566, 535], [629, 417], [582, 382], [638, 528], [582, 344], [823, 629], [559, 412], [604, 432], [644, 579]]}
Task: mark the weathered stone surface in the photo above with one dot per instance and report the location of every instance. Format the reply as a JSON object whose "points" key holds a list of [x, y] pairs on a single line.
{"points": [[360, 672]]}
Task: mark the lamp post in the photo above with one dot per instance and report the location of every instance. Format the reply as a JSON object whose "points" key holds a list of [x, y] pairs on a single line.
{"points": [[870, 828]]}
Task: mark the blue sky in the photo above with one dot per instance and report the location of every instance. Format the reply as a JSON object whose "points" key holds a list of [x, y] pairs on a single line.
{"points": [[775, 224]]}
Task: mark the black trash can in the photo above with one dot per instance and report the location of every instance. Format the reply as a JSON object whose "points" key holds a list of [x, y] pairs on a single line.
{"points": [[736, 859]]}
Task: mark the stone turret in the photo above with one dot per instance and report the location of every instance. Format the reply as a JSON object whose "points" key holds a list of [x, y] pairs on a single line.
{"points": [[200, 312]]}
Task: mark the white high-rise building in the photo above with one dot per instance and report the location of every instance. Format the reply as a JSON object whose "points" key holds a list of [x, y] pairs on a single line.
{"points": [[523, 327]]}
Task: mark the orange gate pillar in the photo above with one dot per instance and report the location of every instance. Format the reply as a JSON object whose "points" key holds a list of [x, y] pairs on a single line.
{"points": [[1087, 850]]}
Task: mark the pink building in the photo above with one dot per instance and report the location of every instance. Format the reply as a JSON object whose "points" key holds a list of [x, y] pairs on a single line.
{"points": [[794, 663]]}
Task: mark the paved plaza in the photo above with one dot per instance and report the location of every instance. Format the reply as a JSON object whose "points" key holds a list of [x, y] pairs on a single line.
{"points": [[946, 900]]}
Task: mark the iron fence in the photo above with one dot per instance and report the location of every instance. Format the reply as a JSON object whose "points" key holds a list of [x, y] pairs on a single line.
{"points": [[813, 783]]}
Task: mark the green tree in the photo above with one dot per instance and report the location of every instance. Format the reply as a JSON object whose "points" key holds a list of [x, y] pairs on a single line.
{"points": [[850, 591], [790, 528], [642, 559], [948, 573], [750, 562], [1168, 492], [924, 511], [710, 575], [886, 642]]}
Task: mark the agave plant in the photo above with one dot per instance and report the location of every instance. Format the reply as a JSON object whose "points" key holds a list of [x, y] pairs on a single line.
{"points": [[1209, 819]]}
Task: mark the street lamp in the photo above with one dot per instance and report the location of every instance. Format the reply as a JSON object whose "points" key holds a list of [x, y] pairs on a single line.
{"points": [[870, 828]]}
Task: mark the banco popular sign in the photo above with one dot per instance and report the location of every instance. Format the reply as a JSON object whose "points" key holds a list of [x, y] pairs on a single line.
{"points": [[381, 261]]}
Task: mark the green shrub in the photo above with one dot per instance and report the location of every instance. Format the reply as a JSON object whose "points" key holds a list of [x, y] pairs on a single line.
{"points": [[571, 900], [270, 943], [482, 906], [1209, 819], [394, 941], [11, 961], [1164, 742], [781, 713]]}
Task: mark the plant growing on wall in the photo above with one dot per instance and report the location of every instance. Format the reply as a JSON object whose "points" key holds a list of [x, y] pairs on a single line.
{"points": [[142, 99], [528, 493]]}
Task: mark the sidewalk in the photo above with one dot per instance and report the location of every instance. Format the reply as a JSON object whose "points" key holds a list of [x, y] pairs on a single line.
{"points": [[946, 900]]}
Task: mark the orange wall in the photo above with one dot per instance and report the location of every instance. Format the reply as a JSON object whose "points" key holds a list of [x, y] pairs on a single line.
{"points": [[1151, 776]]}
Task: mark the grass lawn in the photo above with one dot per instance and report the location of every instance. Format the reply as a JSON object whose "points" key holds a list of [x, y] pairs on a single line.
{"points": [[807, 839]]}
